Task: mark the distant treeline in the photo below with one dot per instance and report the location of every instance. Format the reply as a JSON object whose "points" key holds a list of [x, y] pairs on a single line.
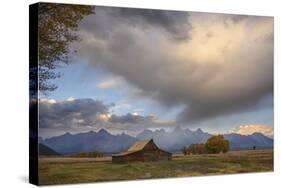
{"points": [[94, 154]]}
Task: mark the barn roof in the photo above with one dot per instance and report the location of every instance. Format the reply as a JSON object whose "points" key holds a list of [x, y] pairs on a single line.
{"points": [[139, 145], [136, 147]]}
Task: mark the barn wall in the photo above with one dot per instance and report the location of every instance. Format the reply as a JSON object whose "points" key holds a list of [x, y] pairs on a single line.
{"points": [[148, 155], [150, 147], [137, 156]]}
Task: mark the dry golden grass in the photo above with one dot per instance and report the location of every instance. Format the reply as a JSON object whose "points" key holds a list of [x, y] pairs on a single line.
{"points": [[63, 170], [72, 160]]}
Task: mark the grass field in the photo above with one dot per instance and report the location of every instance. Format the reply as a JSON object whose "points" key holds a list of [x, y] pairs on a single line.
{"points": [[78, 170]]}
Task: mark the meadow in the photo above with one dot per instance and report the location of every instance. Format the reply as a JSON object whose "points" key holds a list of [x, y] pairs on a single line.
{"points": [[65, 170]]}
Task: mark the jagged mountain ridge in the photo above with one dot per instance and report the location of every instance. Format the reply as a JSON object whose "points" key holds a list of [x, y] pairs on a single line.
{"points": [[46, 151], [90, 141], [171, 141]]}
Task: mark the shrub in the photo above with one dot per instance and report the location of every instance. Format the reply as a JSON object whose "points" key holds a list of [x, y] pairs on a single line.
{"points": [[217, 144], [194, 149], [184, 150]]}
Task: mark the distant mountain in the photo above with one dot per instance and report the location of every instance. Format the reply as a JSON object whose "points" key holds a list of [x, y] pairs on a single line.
{"points": [[175, 140], [238, 141], [45, 150], [171, 141], [91, 141]]}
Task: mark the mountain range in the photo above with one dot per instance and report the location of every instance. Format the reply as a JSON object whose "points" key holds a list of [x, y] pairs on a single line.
{"points": [[89, 141], [171, 141], [46, 151]]}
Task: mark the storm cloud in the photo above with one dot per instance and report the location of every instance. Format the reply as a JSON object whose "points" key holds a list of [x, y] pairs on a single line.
{"points": [[174, 22], [130, 118], [108, 20], [74, 112], [78, 115], [225, 66]]}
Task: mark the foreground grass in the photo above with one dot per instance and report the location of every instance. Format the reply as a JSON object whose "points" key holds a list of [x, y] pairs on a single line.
{"points": [[82, 170]]}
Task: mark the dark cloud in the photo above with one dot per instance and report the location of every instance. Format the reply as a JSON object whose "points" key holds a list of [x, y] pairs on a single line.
{"points": [[208, 109], [174, 22], [80, 115], [134, 123], [131, 119], [77, 112], [107, 20], [222, 69]]}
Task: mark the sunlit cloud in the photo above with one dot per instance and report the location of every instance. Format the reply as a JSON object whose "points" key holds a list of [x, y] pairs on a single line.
{"points": [[223, 66], [104, 117], [250, 129], [209, 68], [135, 113], [70, 99], [49, 101], [110, 83]]}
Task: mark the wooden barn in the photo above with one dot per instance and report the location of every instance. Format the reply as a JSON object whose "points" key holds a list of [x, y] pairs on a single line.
{"points": [[144, 150]]}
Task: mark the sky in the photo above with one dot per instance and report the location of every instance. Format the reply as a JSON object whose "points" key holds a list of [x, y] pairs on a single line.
{"points": [[139, 69]]}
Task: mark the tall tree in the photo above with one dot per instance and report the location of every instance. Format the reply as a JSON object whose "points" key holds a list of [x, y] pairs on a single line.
{"points": [[57, 26]]}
